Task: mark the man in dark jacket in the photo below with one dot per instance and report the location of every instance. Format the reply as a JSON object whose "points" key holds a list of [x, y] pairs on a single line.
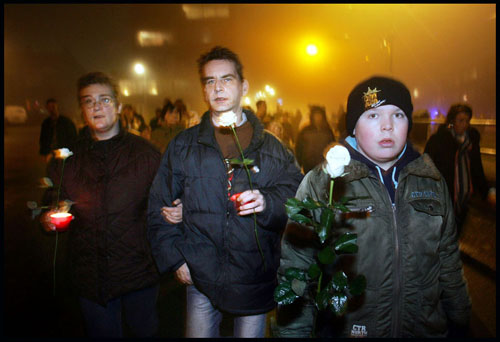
{"points": [[227, 253], [108, 178], [57, 131]]}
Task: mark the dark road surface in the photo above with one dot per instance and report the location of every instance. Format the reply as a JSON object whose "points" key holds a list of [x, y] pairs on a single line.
{"points": [[31, 311]]}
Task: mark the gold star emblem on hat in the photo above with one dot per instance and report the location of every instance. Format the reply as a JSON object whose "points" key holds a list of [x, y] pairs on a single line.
{"points": [[370, 98]]}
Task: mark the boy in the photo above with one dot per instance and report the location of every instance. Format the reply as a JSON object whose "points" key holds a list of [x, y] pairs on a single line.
{"points": [[408, 248]]}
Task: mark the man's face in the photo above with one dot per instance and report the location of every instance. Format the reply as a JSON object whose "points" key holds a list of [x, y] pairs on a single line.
{"points": [[317, 119], [172, 117], [381, 134], [262, 108], [222, 87], [100, 110], [53, 108]]}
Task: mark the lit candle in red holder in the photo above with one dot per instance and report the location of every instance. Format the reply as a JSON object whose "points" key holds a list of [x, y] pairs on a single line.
{"points": [[61, 220]]}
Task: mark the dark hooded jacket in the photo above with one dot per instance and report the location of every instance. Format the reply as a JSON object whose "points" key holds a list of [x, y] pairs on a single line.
{"points": [[109, 182], [311, 143], [218, 245]]}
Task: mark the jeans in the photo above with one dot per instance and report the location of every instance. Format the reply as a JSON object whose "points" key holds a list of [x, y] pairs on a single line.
{"points": [[138, 306], [203, 320]]}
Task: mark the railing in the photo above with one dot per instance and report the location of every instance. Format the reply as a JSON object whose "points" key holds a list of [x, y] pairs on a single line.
{"points": [[423, 128]]}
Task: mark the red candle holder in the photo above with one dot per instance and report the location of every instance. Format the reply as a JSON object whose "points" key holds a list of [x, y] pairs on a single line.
{"points": [[61, 220]]}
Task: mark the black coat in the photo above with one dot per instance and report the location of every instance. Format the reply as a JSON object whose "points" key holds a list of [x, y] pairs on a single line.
{"points": [[109, 182], [442, 148], [219, 246]]}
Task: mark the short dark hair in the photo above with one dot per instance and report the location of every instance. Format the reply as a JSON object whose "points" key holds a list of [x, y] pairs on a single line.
{"points": [[218, 53], [456, 109], [97, 78], [260, 102], [168, 107], [50, 100]]}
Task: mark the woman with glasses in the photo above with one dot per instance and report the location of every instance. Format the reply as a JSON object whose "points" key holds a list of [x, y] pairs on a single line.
{"points": [[108, 178]]}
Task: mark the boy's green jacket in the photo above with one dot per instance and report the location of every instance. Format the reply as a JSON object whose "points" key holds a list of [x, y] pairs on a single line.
{"points": [[407, 252]]}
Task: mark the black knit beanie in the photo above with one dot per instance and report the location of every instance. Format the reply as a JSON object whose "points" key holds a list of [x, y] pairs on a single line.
{"points": [[374, 92]]}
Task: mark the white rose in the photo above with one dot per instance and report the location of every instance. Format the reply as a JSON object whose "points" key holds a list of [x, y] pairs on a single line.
{"points": [[336, 159], [227, 119], [63, 153]]}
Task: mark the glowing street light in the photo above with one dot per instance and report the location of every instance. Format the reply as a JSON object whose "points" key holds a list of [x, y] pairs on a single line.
{"points": [[246, 100], [312, 50], [139, 69], [270, 90]]}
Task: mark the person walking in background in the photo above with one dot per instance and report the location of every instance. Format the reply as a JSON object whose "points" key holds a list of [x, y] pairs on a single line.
{"points": [[171, 126], [262, 114], [108, 179], [313, 139], [408, 246], [455, 150], [57, 131], [157, 120], [134, 122], [216, 250]]}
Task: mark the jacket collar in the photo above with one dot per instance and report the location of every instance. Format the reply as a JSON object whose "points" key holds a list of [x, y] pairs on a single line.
{"points": [[421, 167], [206, 134], [91, 143]]}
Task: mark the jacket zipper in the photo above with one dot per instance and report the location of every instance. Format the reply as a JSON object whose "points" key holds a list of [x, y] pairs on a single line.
{"points": [[397, 279], [396, 304]]}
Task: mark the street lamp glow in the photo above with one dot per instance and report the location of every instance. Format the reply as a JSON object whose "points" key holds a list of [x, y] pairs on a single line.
{"points": [[246, 100], [125, 92], [139, 68], [312, 50], [270, 90]]}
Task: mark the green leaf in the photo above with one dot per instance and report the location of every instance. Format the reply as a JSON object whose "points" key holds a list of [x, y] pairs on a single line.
{"points": [[346, 199], [325, 224], [301, 219], [346, 243], [295, 273], [339, 281], [283, 294], [338, 304], [357, 285], [311, 204], [290, 211], [235, 161], [326, 256], [293, 202], [247, 161], [341, 207], [322, 299], [314, 271], [293, 206], [299, 286]]}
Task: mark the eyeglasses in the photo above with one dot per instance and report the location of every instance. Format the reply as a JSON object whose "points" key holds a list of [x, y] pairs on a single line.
{"points": [[90, 103]]}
